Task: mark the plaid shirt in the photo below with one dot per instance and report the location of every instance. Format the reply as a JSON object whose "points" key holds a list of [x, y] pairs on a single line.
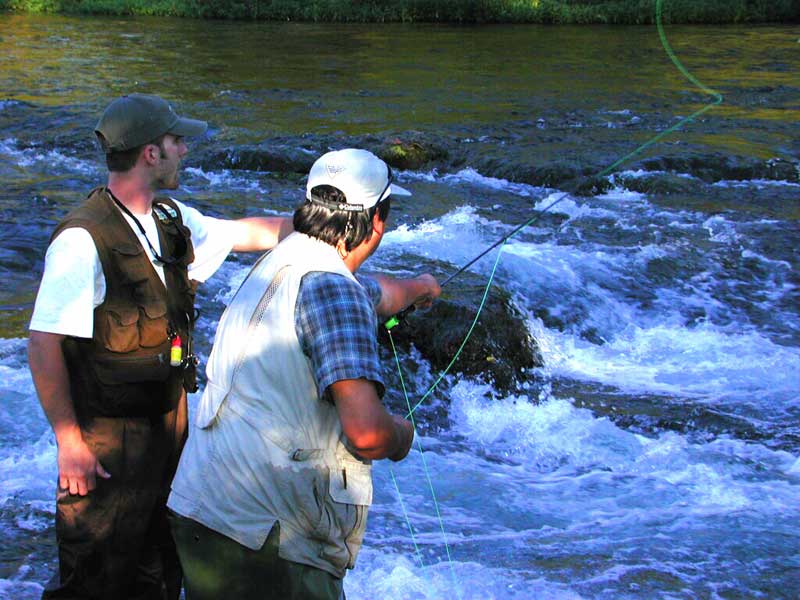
{"points": [[336, 325]]}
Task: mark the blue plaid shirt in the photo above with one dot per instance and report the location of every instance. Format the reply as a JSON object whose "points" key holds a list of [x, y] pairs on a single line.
{"points": [[336, 325]]}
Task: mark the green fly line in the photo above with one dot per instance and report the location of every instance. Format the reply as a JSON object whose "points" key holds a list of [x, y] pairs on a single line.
{"points": [[717, 99]]}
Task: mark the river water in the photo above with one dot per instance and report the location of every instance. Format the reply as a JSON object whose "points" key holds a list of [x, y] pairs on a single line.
{"points": [[656, 452]]}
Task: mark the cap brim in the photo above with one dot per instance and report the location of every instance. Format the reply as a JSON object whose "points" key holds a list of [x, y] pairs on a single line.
{"points": [[188, 127], [396, 190]]}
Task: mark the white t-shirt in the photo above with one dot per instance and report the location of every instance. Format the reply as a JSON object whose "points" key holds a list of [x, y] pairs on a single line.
{"points": [[73, 284]]}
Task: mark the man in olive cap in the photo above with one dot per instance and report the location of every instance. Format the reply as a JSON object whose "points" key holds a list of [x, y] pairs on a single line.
{"points": [[110, 351]]}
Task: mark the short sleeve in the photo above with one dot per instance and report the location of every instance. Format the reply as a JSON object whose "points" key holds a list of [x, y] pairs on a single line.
{"points": [[212, 240], [336, 325], [72, 286], [372, 288]]}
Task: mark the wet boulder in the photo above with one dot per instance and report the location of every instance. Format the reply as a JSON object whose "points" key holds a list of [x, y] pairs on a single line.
{"points": [[500, 348], [713, 167], [267, 156], [660, 183], [591, 186], [411, 152]]}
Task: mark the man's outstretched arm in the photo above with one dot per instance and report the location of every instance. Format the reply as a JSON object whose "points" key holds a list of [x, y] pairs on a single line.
{"points": [[261, 233], [77, 465]]}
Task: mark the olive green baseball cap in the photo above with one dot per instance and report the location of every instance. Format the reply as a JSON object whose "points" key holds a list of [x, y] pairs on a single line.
{"points": [[136, 119]]}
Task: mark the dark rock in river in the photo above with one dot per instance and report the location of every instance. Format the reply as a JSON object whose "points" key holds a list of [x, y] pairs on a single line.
{"points": [[591, 186], [660, 183], [411, 152], [267, 156], [717, 167], [500, 348]]}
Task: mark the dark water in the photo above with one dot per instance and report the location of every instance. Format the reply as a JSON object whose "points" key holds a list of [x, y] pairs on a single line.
{"points": [[656, 453]]}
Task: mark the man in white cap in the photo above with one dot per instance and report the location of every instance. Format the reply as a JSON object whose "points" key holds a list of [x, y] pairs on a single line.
{"points": [[115, 305], [271, 495]]}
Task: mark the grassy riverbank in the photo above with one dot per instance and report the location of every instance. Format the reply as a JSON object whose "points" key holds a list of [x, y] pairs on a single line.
{"points": [[445, 11]]}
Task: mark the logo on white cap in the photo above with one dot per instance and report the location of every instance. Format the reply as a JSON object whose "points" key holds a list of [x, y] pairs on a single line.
{"points": [[334, 170]]}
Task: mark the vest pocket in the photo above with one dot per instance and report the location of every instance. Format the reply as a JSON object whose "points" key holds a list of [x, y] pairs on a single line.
{"points": [[111, 370], [153, 324], [350, 493], [122, 330], [351, 483]]}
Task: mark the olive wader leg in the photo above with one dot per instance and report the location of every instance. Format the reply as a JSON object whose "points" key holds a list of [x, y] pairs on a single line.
{"points": [[114, 543], [215, 566]]}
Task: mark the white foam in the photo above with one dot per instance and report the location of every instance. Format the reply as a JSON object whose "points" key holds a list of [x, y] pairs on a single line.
{"points": [[33, 158], [16, 589], [619, 194], [757, 183], [473, 177], [721, 230], [558, 440], [235, 180], [546, 434], [674, 359], [29, 472], [566, 205], [385, 574], [450, 237], [768, 261], [642, 173], [430, 176]]}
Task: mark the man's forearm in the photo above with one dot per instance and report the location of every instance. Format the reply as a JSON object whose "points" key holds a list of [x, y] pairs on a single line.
{"points": [[370, 429], [77, 464], [261, 233], [49, 371], [397, 294]]}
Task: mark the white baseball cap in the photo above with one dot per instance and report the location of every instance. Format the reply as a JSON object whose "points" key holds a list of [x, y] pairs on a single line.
{"points": [[362, 177]]}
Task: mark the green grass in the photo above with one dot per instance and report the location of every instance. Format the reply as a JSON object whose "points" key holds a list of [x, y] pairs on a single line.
{"points": [[450, 11]]}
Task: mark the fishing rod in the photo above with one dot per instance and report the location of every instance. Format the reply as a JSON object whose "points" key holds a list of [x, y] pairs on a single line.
{"points": [[395, 320]]}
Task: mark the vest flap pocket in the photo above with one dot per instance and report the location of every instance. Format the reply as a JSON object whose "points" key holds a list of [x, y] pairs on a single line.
{"points": [[153, 325], [351, 483], [122, 331], [128, 249], [156, 309], [112, 370]]}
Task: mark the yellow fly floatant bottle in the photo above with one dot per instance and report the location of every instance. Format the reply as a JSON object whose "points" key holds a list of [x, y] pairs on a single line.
{"points": [[176, 352]]}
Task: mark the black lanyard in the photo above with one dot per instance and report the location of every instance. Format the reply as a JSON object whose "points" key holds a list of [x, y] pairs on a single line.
{"points": [[123, 208]]}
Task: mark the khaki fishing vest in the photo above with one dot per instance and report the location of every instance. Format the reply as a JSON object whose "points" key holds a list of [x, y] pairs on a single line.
{"points": [[124, 370], [273, 449]]}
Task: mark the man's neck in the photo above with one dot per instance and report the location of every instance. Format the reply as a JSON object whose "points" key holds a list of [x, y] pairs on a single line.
{"points": [[132, 192]]}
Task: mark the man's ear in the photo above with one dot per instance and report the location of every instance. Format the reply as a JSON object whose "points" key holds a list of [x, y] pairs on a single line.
{"points": [[341, 249], [151, 154], [378, 226]]}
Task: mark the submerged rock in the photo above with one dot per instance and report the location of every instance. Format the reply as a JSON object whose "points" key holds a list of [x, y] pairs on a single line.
{"points": [[500, 349]]}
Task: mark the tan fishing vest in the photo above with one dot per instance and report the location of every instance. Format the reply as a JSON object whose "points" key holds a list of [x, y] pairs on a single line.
{"points": [[266, 448], [124, 370]]}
